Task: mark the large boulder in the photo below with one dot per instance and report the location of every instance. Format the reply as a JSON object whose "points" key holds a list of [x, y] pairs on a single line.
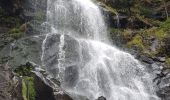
{"points": [[35, 49], [47, 90]]}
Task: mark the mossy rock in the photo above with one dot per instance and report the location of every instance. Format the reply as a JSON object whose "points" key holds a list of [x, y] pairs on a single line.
{"points": [[15, 33], [167, 62], [137, 41], [28, 88]]}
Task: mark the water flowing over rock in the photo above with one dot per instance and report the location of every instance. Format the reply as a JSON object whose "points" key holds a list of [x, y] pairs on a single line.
{"points": [[76, 52]]}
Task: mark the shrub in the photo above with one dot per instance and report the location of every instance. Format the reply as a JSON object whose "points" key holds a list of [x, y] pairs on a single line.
{"points": [[24, 70], [165, 25], [137, 41]]}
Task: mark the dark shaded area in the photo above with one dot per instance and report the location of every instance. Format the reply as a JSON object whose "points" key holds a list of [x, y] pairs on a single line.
{"points": [[101, 98], [43, 91]]}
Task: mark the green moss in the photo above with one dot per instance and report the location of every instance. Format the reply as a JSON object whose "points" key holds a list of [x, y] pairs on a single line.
{"points": [[167, 62], [24, 70], [24, 90], [28, 88], [108, 7], [15, 33], [160, 34], [127, 34], [165, 25], [137, 42], [115, 30]]}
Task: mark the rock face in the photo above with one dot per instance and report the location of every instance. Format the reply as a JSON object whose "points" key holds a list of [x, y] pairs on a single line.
{"points": [[11, 86], [161, 73], [46, 90], [43, 91], [163, 82], [24, 50], [30, 49]]}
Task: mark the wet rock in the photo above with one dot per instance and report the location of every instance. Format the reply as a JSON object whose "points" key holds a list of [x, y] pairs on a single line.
{"points": [[101, 98], [146, 59], [163, 83], [159, 59], [62, 96], [46, 90], [17, 90], [43, 91], [24, 50], [71, 76], [50, 56]]}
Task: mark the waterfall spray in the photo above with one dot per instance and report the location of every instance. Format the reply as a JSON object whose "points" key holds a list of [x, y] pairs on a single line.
{"points": [[76, 51]]}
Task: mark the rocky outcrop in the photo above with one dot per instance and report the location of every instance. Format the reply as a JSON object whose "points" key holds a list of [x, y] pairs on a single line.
{"points": [[10, 85], [163, 83], [161, 73], [45, 90]]}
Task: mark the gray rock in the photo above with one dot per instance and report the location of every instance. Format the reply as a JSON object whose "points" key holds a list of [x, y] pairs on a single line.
{"points": [[146, 59], [163, 83], [159, 59], [10, 85], [26, 49], [45, 90]]}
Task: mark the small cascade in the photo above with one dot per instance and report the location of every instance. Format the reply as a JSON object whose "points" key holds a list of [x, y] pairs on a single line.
{"points": [[117, 20], [61, 58]]}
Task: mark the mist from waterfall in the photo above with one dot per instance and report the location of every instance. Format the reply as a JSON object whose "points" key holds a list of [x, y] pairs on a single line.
{"points": [[76, 51]]}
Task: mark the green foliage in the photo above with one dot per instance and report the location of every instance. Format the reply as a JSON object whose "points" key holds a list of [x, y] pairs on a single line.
{"points": [[114, 30], [127, 35], [137, 41], [165, 25], [167, 62], [160, 34], [15, 33], [28, 88], [24, 70], [155, 32], [108, 7]]}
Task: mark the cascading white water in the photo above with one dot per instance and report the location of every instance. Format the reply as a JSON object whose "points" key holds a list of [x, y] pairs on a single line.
{"points": [[76, 52]]}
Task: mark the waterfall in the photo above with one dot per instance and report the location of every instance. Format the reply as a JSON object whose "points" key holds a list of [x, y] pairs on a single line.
{"points": [[76, 51]]}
